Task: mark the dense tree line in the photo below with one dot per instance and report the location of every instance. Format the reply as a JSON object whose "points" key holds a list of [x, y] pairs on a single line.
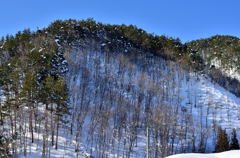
{"points": [[225, 48], [221, 55], [114, 38], [33, 79]]}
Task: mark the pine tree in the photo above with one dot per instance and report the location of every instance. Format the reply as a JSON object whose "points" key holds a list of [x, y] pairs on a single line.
{"points": [[61, 92], [5, 70], [222, 141], [29, 92], [234, 141], [4, 145]]}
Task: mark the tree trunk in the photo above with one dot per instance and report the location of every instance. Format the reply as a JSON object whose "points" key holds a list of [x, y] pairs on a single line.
{"points": [[56, 143]]}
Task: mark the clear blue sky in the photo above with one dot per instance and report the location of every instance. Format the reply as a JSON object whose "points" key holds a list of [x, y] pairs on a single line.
{"points": [[186, 19]]}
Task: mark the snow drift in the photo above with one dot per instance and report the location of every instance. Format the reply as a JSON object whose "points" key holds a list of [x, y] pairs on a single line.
{"points": [[228, 154]]}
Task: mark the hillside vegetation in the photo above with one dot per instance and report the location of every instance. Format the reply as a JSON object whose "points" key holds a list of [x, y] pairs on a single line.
{"points": [[221, 56], [93, 89]]}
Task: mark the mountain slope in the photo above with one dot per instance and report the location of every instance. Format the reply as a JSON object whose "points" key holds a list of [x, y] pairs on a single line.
{"points": [[221, 55], [188, 101], [81, 88]]}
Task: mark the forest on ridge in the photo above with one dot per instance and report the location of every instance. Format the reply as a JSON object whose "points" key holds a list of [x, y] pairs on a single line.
{"points": [[90, 89]]}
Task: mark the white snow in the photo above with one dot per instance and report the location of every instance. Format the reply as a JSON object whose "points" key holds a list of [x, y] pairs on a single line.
{"points": [[57, 42], [228, 154], [33, 49], [103, 44], [41, 49], [230, 72]]}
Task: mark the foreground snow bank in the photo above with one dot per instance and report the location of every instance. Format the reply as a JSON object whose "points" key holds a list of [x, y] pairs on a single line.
{"points": [[228, 154]]}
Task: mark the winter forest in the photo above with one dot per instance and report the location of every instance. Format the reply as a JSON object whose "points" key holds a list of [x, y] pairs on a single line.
{"points": [[87, 89]]}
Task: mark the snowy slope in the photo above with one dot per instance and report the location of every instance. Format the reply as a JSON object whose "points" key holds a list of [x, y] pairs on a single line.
{"points": [[228, 154], [208, 104], [202, 106], [230, 72]]}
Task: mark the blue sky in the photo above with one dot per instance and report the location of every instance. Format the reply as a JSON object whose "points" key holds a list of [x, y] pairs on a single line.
{"points": [[186, 19]]}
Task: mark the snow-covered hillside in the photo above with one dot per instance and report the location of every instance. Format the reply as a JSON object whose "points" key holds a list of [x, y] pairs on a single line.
{"points": [[116, 97], [88, 89], [228, 154], [180, 99], [232, 72]]}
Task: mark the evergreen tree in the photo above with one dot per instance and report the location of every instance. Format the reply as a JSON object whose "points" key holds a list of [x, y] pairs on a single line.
{"points": [[234, 141], [222, 141], [4, 146], [61, 98], [29, 92], [6, 85]]}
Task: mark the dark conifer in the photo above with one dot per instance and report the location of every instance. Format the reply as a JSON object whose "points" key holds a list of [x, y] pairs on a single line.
{"points": [[222, 141], [234, 141]]}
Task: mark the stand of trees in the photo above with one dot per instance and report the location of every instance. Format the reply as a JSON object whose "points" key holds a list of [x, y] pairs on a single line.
{"points": [[31, 80], [223, 143], [124, 91]]}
